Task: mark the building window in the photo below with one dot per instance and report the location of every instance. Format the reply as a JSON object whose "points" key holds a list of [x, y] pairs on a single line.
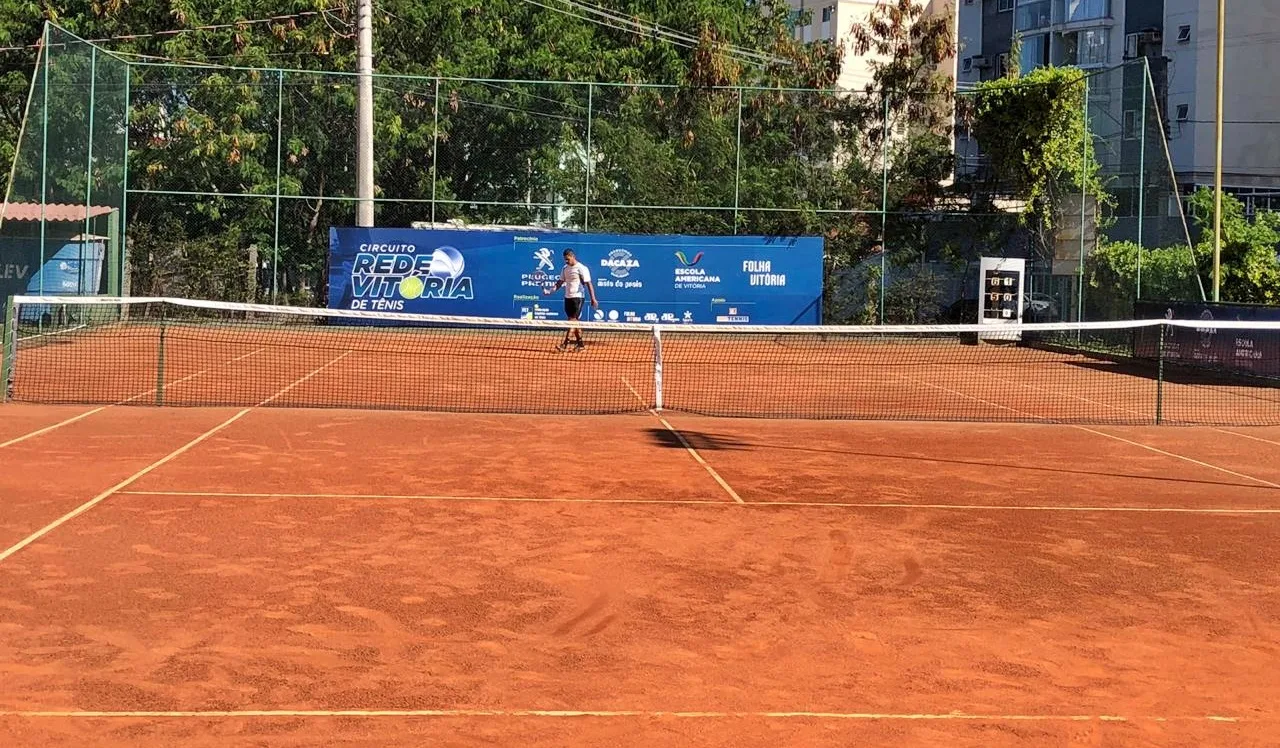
{"points": [[1074, 11], [1086, 48], [1131, 127], [1004, 6], [1183, 112], [967, 65], [1036, 14], [1184, 34], [1035, 53], [826, 14]]}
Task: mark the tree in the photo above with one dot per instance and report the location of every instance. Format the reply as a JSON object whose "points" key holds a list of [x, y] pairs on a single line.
{"points": [[1249, 264], [1033, 130]]}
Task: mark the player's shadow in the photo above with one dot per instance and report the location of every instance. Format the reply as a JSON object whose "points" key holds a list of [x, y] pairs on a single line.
{"points": [[696, 439]]}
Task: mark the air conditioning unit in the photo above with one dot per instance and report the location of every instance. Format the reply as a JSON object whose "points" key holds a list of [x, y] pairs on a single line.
{"points": [[980, 61]]}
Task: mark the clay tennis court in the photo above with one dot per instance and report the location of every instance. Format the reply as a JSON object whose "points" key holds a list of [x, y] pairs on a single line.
{"points": [[284, 577]]}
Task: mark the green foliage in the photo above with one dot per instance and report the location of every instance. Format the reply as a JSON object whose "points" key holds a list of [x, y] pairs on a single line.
{"points": [[1250, 265], [1112, 272], [1034, 131], [204, 138]]}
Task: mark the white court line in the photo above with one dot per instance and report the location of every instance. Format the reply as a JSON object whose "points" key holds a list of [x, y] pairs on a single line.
{"points": [[314, 372], [710, 502], [91, 503], [1147, 447], [1177, 456], [101, 408], [956, 716], [688, 447], [1225, 431], [47, 429]]}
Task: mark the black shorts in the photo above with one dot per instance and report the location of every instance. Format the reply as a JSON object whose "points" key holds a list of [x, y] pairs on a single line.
{"points": [[573, 308]]}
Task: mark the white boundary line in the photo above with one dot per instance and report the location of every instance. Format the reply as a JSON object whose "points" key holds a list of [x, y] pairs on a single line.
{"points": [[622, 713], [1225, 431], [91, 503], [57, 425], [688, 447], [1147, 447], [714, 502], [101, 408]]}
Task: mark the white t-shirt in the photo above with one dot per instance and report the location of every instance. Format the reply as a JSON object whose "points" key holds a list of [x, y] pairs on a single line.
{"points": [[573, 276]]}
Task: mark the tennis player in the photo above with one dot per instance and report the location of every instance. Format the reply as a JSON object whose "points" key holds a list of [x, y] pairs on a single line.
{"points": [[573, 279]]}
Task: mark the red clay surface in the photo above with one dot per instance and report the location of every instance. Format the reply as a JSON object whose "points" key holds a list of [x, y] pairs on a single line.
{"points": [[170, 596]]}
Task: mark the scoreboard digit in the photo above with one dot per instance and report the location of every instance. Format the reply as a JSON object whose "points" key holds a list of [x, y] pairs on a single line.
{"points": [[1001, 290]]}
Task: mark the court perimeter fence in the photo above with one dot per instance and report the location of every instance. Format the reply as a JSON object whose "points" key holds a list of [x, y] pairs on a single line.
{"points": [[221, 182]]}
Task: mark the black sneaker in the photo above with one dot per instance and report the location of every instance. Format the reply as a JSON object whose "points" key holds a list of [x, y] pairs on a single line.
{"points": [[578, 346]]}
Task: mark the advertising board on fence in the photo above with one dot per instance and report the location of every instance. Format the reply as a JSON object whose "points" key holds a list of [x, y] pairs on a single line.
{"points": [[658, 279], [1246, 351]]}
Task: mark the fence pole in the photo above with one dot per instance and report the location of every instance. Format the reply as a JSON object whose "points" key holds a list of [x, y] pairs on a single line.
{"points": [[124, 182], [1142, 177], [1084, 197], [275, 243], [586, 198], [435, 149], [737, 171], [44, 149], [884, 201], [88, 162], [8, 346]]}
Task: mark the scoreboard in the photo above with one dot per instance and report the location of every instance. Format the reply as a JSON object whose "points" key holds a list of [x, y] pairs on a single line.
{"points": [[1000, 297]]}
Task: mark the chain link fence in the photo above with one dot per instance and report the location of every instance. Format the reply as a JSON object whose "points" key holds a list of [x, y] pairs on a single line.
{"points": [[223, 181]]}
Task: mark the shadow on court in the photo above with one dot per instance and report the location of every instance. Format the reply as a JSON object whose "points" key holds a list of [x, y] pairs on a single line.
{"points": [[698, 440]]}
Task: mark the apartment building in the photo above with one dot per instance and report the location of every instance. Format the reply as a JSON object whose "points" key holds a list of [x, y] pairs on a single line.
{"points": [[1178, 40], [833, 20], [1251, 98]]}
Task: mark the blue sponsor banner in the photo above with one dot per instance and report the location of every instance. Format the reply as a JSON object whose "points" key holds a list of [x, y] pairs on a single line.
{"points": [[658, 279]]}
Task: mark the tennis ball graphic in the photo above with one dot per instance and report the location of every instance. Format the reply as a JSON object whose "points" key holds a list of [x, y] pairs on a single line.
{"points": [[411, 287]]}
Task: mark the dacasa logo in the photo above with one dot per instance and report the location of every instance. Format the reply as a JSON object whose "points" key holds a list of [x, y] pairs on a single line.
{"points": [[686, 261]]}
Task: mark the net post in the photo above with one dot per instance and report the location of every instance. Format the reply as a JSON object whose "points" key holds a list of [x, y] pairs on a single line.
{"points": [[8, 346], [160, 361], [657, 367], [1160, 376]]}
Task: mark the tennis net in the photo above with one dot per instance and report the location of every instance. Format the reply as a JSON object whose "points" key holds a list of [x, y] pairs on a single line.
{"points": [[157, 351]]}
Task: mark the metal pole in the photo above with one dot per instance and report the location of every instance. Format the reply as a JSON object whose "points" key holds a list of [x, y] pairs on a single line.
{"points": [[1142, 177], [1084, 196], [124, 183], [586, 200], [1217, 164], [44, 151], [275, 252], [884, 201], [737, 171], [435, 143], [88, 162], [364, 114]]}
